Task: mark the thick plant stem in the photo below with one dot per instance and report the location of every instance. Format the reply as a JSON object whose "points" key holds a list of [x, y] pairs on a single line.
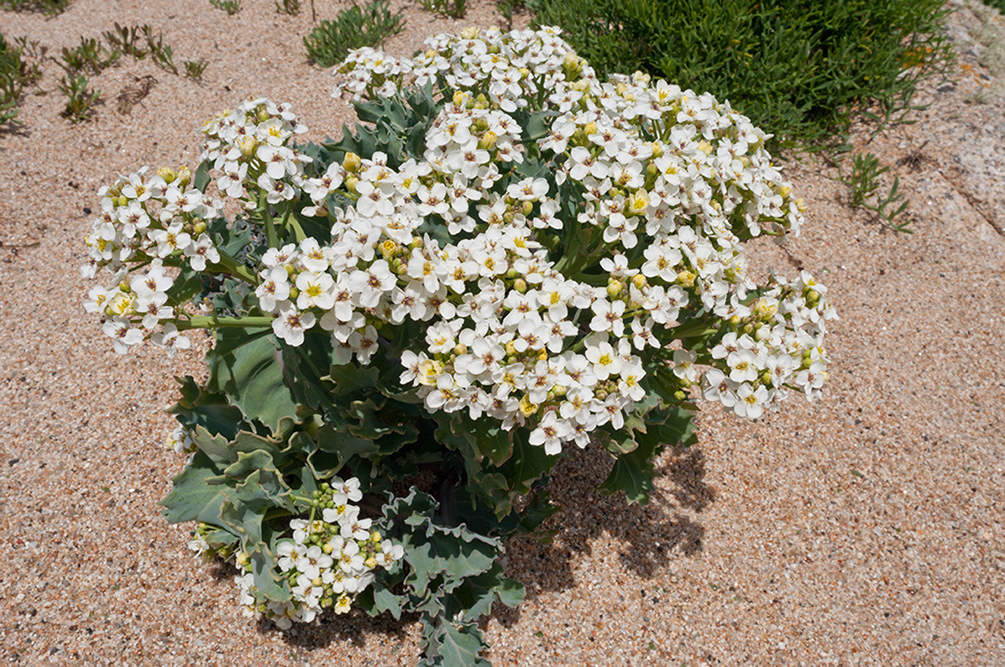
{"points": [[270, 225], [236, 269], [214, 322]]}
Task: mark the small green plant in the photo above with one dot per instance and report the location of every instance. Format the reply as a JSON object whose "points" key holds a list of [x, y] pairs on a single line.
{"points": [[864, 185], [195, 68], [506, 9], [229, 6], [16, 73], [160, 53], [452, 8], [91, 55], [47, 7], [353, 28], [291, 7], [130, 40], [81, 100]]}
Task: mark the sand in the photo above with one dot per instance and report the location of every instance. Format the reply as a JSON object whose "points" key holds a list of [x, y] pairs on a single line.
{"points": [[864, 529]]}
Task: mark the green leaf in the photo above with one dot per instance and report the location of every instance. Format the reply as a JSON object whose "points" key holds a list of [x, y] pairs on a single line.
{"points": [[455, 645], [385, 600], [350, 379], [248, 368], [632, 475], [344, 444], [200, 179], [192, 498], [216, 447], [263, 565], [633, 472]]}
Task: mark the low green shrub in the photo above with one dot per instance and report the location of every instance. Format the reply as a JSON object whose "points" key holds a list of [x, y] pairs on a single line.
{"points": [[997, 4], [355, 27], [47, 7], [801, 69], [229, 6], [452, 8]]}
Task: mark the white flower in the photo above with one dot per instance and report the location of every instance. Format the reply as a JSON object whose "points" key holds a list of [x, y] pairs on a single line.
{"points": [[551, 431], [370, 285], [291, 324]]}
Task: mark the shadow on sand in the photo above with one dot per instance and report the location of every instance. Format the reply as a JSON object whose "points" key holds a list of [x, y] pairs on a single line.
{"points": [[648, 535]]}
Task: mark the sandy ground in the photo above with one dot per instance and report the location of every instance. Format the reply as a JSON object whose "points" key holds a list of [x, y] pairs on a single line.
{"points": [[866, 529]]}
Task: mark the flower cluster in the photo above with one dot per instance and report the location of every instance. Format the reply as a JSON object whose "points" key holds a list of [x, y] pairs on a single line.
{"points": [[248, 147], [551, 276], [147, 222], [327, 562]]}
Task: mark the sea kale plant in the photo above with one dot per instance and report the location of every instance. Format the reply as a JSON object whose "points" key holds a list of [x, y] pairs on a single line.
{"points": [[508, 261]]}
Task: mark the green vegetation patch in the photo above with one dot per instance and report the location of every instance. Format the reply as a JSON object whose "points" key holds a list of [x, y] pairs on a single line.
{"points": [[17, 71], [798, 68], [47, 7], [353, 28]]}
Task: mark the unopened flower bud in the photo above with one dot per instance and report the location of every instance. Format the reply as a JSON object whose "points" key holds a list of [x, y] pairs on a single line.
{"points": [[614, 289], [351, 162], [459, 98], [590, 128], [657, 148], [488, 140], [388, 248], [371, 563], [601, 394], [520, 285], [528, 207], [167, 174], [350, 184], [248, 147], [639, 281], [679, 395], [510, 349], [375, 536], [470, 32], [242, 559], [686, 278], [199, 228], [294, 292]]}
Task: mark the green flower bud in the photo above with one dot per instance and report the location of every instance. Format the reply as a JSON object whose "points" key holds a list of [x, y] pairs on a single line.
{"points": [[184, 177], [351, 162], [167, 174]]}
